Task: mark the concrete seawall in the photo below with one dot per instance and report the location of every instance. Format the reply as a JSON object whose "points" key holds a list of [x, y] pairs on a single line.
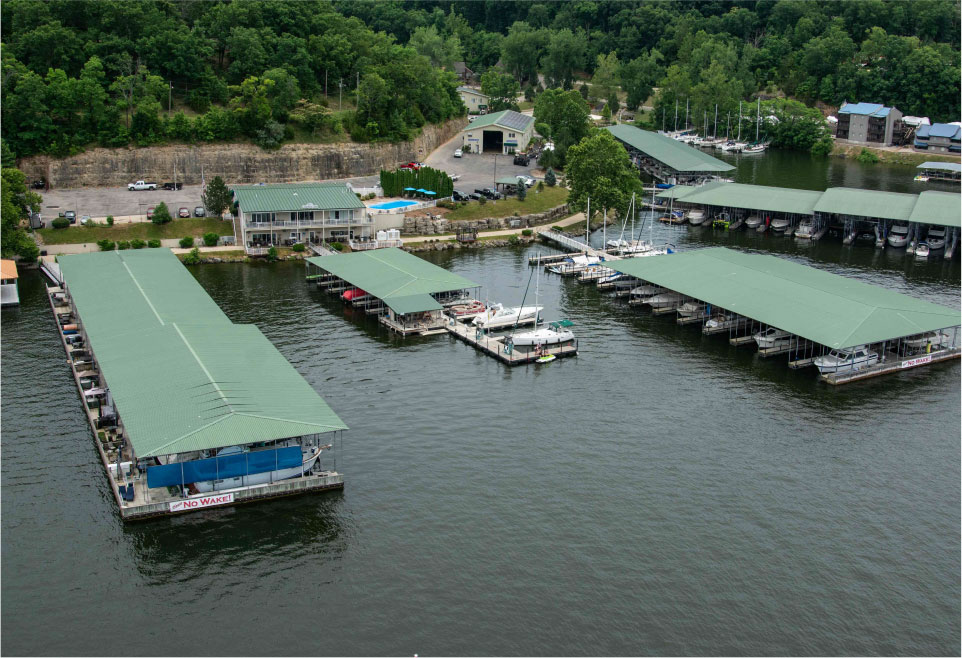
{"points": [[235, 163]]}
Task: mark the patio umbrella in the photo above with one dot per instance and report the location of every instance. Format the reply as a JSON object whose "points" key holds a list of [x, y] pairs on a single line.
{"points": [[409, 189], [421, 191], [430, 192]]}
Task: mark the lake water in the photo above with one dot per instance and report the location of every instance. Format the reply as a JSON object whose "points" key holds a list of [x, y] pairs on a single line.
{"points": [[660, 493]]}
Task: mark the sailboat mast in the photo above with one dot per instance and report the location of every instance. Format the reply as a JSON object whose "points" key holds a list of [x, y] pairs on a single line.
{"points": [[714, 133], [728, 130], [758, 117], [587, 223], [739, 122], [604, 230], [686, 113], [676, 115]]}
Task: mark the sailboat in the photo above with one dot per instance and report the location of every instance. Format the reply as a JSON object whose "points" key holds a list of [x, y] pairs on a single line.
{"points": [[554, 334], [736, 146], [756, 147]]}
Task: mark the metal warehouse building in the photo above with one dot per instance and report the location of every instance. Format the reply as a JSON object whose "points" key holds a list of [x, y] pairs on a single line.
{"points": [[506, 131]]}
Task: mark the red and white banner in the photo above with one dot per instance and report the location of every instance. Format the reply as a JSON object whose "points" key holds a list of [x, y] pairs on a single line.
{"points": [[917, 362], [202, 501]]}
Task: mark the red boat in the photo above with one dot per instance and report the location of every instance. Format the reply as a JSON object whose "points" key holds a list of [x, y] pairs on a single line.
{"points": [[353, 294]]}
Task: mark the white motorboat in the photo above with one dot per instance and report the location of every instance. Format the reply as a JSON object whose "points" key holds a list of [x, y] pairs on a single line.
{"points": [[691, 309], [754, 148], [574, 265], [619, 243], [666, 300], [733, 147], [899, 235], [554, 334], [849, 359], [496, 315], [779, 224], [753, 222], [922, 250], [653, 251], [595, 272], [804, 230], [936, 238], [309, 453], [642, 293], [772, 337], [611, 278], [697, 217], [918, 342]]}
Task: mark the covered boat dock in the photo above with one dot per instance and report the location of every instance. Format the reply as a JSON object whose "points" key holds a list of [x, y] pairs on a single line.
{"points": [[188, 409], [407, 293], [666, 159], [822, 313], [941, 171]]}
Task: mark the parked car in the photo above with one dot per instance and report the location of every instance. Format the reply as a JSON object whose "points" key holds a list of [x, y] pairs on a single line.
{"points": [[85, 219], [528, 180], [474, 196], [459, 196], [39, 184], [71, 216], [170, 187], [457, 153], [150, 212], [200, 212], [141, 185], [184, 213], [36, 220], [521, 159], [491, 193]]}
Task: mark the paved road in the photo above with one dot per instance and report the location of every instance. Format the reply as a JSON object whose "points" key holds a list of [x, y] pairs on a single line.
{"points": [[477, 170]]}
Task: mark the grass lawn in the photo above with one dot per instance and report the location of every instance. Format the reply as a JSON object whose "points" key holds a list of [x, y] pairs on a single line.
{"points": [[551, 197], [177, 228]]}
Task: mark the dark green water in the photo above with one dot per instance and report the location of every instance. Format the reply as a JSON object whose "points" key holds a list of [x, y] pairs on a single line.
{"points": [[661, 493]]}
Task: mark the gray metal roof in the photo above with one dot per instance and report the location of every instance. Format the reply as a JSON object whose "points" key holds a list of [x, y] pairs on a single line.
{"points": [[182, 376], [945, 166], [505, 119], [295, 196], [668, 151]]}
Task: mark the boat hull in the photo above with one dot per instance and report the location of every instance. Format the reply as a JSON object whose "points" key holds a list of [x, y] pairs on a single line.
{"points": [[259, 478]]}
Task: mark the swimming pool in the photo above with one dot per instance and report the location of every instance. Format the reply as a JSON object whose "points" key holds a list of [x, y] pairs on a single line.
{"points": [[394, 204]]}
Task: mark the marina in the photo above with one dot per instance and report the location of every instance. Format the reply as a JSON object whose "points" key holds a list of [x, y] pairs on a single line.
{"points": [[178, 428]]}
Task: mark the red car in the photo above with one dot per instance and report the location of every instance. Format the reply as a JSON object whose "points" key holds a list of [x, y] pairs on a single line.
{"points": [[183, 212], [413, 166], [150, 212]]}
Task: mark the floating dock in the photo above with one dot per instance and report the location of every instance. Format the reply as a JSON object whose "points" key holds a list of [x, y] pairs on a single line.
{"points": [[821, 312], [150, 354], [495, 346]]}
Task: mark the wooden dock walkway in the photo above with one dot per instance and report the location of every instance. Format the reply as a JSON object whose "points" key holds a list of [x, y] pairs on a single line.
{"points": [[892, 365], [495, 346]]}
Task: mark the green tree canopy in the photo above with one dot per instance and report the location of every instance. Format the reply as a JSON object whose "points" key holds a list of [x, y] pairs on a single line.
{"points": [[502, 89], [599, 167]]}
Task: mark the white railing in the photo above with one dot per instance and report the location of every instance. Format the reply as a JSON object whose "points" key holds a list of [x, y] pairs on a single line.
{"points": [[367, 245], [314, 223]]}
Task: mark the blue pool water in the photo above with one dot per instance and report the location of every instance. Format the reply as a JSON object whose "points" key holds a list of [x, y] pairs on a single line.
{"points": [[394, 204]]}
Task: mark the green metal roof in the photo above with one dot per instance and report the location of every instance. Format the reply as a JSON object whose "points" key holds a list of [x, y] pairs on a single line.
{"points": [[941, 208], [507, 180], [413, 304], [391, 275], [677, 192], [505, 119], [866, 203], [823, 307], [666, 150], [754, 197], [182, 376], [295, 196]]}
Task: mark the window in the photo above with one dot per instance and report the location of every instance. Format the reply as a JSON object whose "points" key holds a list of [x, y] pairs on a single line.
{"points": [[510, 134], [304, 215], [262, 217], [337, 214]]}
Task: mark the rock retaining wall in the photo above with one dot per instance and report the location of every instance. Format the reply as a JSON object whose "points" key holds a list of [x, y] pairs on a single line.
{"points": [[235, 163], [419, 225]]}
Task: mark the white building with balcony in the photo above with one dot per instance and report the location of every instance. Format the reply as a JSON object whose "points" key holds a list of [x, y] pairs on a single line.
{"points": [[284, 214]]}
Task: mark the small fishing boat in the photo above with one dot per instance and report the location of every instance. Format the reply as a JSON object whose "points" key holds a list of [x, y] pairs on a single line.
{"points": [[722, 220], [666, 300], [555, 333], [779, 224], [497, 315], [697, 217], [936, 238], [804, 230], [674, 217], [849, 359], [753, 149], [922, 250], [921, 178], [644, 292], [899, 235], [772, 337], [691, 309], [753, 222]]}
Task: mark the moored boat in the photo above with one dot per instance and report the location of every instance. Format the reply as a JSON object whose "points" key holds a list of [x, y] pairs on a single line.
{"points": [[697, 217], [848, 359], [466, 311], [779, 224], [804, 229], [753, 221], [497, 315], [899, 235], [666, 300], [555, 333], [691, 309], [772, 337], [922, 250]]}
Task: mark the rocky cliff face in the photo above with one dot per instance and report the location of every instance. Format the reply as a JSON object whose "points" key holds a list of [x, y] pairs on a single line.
{"points": [[420, 225], [235, 163]]}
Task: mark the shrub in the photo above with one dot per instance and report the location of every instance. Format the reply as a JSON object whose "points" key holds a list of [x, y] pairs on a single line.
{"points": [[210, 239], [823, 146], [137, 243], [483, 200], [336, 246], [549, 177], [161, 214], [272, 254], [106, 245], [298, 247], [540, 187], [193, 257], [110, 220], [186, 242], [522, 191], [527, 232], [123, 244], [60, 222], [867, 157], [153, 243], [557, 228], [90, 224], [513, 240]]}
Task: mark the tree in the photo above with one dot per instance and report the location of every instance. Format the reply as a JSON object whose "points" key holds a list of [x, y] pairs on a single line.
{"points": [[522, 190], [550, 178], [502, 90], [522, 49], [565, 53], [440, 50], [639, 76], [599, 167], [161, 214], [216, 197], [566, 113], [605, 80], [16, 204]]}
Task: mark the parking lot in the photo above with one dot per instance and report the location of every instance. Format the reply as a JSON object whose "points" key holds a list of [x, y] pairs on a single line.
{"points": [[477, 170], [124, 205]]}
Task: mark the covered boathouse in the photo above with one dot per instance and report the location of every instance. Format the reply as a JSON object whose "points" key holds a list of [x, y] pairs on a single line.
{"points": [[742, 294], [666, 159], [407, 293], [189, 410]]}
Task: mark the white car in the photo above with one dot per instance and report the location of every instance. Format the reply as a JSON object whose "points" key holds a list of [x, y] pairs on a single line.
{"points": [[528, 180], [457, 153]]}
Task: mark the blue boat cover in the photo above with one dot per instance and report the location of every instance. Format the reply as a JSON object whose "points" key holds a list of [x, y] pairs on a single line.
{"points": [[227, 466]]}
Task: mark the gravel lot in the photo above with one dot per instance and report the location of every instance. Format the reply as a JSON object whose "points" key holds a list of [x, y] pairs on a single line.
{"points": [[98, 202], [476, 169]]}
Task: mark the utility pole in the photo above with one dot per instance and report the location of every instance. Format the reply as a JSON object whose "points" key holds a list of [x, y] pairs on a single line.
{"points": [[340, 91], [662, 118], [358, 87], [325, 83], [676, 114], [170, 89]]}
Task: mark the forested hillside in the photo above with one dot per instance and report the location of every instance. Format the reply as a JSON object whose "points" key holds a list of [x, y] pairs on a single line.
{"points": [[76, 74]]}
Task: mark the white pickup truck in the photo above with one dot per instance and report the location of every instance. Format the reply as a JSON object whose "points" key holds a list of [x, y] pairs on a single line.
{"points": [[141, 185]]}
